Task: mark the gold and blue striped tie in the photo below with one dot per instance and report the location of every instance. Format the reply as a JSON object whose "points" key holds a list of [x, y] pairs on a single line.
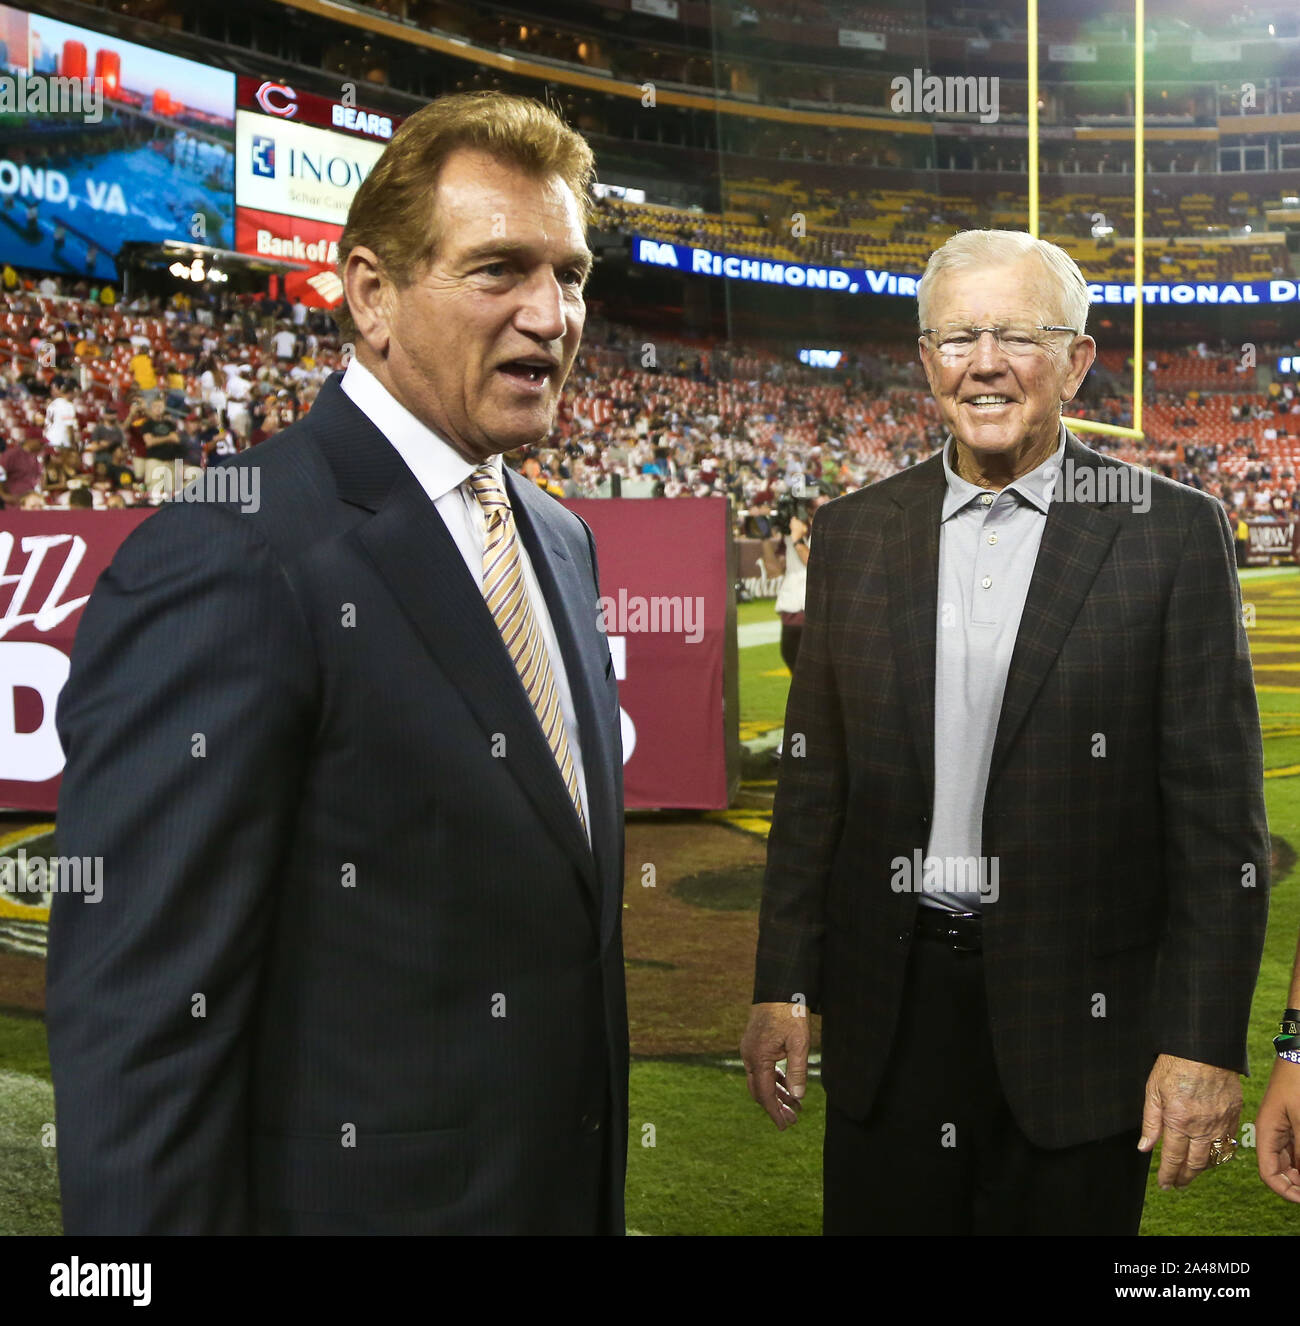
{"points": [[507, 599]]}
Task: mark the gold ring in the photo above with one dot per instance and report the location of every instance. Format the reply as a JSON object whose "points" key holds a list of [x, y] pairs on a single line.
{"points": [[1222, 1150]]}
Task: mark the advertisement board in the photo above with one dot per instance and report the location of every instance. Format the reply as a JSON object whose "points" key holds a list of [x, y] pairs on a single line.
{"points": [[668, 610], [295, 169], [103, 141], [300, 159]]}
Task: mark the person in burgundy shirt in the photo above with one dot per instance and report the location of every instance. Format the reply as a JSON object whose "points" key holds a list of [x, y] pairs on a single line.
{"points": [[20, 470]]}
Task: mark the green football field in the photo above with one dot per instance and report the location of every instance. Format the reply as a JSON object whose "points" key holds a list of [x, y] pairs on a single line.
{"points": [[702, 1158]]}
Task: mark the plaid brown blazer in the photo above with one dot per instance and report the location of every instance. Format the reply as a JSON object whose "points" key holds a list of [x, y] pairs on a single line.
{"points": [[1140, 876]]}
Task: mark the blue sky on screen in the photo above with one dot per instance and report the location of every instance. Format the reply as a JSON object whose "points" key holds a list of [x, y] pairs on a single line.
{"points": [[145, 70]]}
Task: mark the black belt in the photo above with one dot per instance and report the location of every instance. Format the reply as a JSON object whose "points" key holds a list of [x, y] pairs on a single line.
{"points": [[959, 930]]}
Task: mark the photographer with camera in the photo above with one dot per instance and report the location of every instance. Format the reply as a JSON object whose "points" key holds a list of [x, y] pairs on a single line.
{"points": [[792, 523]]}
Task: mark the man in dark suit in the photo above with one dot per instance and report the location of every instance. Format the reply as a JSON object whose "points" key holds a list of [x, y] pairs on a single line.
{"points": [[350, 754], [1018, 858]]}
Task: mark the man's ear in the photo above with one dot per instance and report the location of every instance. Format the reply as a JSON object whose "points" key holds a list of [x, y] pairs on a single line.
{"points": [[1082, 354], [368, 292], [926, 352]]}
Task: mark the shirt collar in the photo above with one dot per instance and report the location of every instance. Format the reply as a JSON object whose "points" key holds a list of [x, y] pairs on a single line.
{"points": [[437, 465], [1034, 487]]}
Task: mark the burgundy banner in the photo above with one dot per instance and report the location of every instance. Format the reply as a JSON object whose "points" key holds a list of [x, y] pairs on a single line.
{"points": [[1270, 539], [666, 590], [49, 562], [667, 603]]}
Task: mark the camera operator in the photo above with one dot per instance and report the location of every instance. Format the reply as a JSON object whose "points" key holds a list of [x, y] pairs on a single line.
{"points": [[792, 547]]}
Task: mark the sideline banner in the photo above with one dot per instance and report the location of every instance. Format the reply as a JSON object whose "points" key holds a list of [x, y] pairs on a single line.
{"points": [[667, 585], [49, 562], [1270, 539], [667, 576]]}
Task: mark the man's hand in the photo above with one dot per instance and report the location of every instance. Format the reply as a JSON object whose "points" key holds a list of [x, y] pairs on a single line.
{"points": [[1277, 1131], [776, 1032], [1192, 1103]]}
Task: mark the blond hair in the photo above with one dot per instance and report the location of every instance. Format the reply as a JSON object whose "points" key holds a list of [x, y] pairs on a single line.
{"points": [[392, 213], [1003, 248]]}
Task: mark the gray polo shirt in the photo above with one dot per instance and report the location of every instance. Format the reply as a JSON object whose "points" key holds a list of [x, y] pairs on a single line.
{"points": [[988, 544]]}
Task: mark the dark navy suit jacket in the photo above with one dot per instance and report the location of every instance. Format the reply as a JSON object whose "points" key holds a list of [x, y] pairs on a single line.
{"points": [[356, 968]]}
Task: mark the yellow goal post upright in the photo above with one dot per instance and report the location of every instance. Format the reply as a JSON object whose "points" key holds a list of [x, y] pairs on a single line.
{"points": [[1139, 173]]}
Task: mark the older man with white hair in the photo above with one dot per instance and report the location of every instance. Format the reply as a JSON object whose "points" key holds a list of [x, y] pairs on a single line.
{"points": [[1019, 857]]}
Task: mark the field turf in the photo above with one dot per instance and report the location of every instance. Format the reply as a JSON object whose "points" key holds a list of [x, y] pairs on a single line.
{"points": [[703, 1159]]}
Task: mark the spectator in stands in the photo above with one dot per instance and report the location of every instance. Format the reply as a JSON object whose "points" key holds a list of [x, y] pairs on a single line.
{"points": [[20, 470], [101, 476], [283, 341], [81, 498], [61, 419], [106, 436], [174, 397], [142, 370], [62, 467], [161, 435], [239, 395]]}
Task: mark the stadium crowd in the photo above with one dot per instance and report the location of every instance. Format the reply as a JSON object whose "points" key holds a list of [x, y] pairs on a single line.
{"points": [[108, 404]]}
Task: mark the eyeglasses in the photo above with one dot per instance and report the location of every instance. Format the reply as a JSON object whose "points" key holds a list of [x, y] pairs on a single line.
{"points": [[958, 343]]}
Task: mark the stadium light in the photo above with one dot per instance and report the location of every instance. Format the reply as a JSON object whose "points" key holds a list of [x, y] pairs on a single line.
{"points": [[1139, 172]]}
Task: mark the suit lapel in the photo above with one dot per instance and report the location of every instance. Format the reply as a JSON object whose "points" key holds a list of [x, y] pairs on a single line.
{"points": [[913, 561], [1075, 542], [413, 551]]}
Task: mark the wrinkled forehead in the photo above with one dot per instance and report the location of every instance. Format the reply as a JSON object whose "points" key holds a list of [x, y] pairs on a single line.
{"points": [[1007, 295]]}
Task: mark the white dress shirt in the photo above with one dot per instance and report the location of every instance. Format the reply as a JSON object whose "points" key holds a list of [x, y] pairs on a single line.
{"points": [[443, 474]]}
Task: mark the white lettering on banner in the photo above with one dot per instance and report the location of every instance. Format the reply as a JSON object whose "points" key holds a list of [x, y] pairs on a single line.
{"points": [[294, 246], [618, 653], [348, 117], [1270, 538], [37, 756], [51, 612], [51, 186], [30, 757], [736, 267]]}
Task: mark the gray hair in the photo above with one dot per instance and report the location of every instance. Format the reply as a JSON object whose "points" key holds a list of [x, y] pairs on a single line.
{"points": [[1003, 248]]}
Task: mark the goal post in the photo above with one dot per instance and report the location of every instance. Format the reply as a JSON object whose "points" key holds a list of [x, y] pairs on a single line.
{"points": [[1139, 229]]}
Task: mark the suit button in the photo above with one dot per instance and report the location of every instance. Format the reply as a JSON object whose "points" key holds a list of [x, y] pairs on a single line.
{"points": [[589, 1123], [904, 936]]}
